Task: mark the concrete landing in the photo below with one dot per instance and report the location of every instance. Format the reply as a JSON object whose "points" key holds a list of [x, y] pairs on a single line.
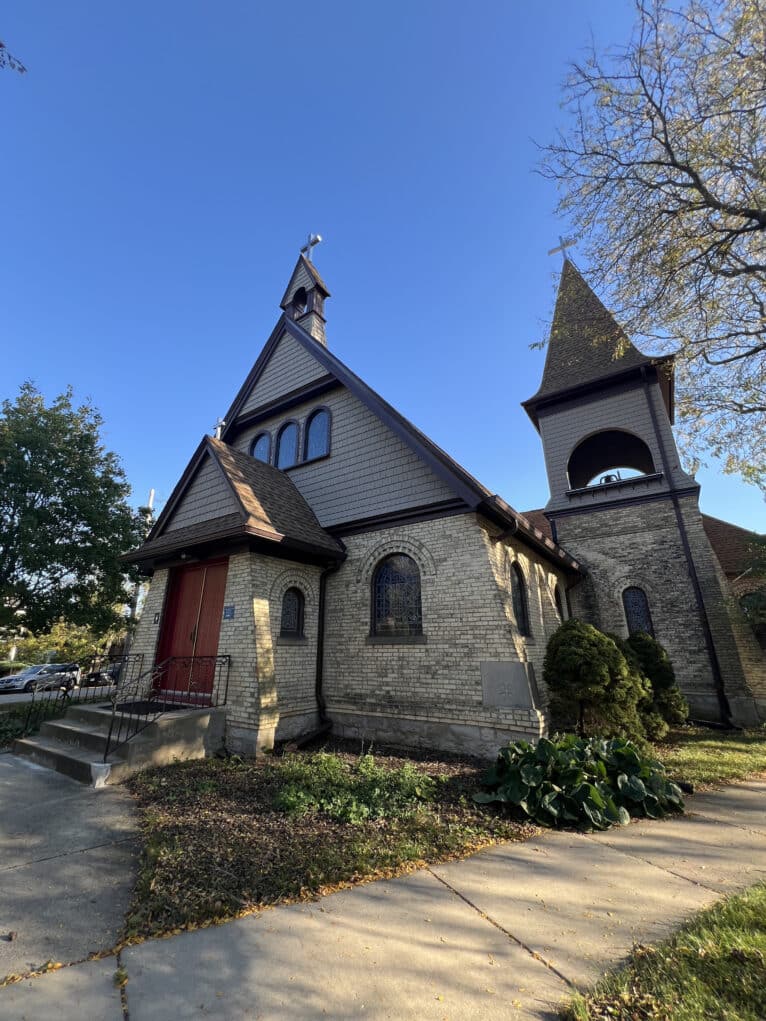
{"points": [[505, 934]]}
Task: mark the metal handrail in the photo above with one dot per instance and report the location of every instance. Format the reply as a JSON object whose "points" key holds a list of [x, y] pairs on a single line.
{"points": [[135, 709], [45, 705]]}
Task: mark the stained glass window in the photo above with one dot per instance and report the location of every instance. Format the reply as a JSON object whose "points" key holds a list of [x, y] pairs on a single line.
{"points": [[637, 612], [317, 442], [292, 614], [519, 599], [396, 608], [287, 445], [558, 601], [261, 448]]}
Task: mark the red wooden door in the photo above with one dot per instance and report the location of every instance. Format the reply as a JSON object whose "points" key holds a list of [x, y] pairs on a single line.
{"points": [[190, 632]]}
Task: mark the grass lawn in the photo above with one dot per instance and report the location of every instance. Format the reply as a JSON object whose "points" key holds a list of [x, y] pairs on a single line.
{"points": [[714, 969], [708, 757], [222, 837]]}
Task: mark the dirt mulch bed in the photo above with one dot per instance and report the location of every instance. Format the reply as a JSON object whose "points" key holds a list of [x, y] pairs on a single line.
{"points": [[217, 846]]}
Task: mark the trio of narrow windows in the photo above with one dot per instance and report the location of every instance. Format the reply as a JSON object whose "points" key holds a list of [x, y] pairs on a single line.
{"points": [[316, 441]]}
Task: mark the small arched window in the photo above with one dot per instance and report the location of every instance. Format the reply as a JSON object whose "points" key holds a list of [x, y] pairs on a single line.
{"points": [[519, 599], [396, 606], [287, 445], [558, 601], [261, 447], [291, 625], [637, 613], [316, 441]]}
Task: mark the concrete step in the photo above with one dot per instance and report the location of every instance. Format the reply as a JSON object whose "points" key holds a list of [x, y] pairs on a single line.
{"points": [[96, 714], [78, 763], [78, 734]]}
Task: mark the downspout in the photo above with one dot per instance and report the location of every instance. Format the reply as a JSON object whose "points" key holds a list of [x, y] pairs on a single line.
{"points": [[720, 690], [324, 721]]}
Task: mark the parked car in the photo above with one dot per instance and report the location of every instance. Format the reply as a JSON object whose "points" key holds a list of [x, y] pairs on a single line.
{"points": [[42, 677], [107, 674]]}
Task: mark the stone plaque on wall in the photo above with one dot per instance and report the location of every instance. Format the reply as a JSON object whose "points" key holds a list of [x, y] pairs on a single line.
{"points": [[506, 683]]}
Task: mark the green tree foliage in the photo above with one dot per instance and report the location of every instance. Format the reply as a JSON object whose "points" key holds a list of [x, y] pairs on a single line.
{"points": [[71, 643], [666, 699], [661, 172], [591, 684], [64, 516]]}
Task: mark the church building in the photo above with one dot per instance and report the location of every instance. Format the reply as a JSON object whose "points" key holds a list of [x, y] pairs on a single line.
{"points": [[350, 574]]}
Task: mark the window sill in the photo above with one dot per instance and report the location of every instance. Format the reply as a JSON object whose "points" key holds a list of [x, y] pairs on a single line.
{"points": [[396, 639], [291, 640], [302, 464]]}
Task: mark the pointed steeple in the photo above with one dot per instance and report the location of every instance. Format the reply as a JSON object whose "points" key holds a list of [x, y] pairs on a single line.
{"points": [[586, 343], [304, 298]]}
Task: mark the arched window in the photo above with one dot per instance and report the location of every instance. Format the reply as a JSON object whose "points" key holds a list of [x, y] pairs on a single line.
{"points": [[316, 441], [300, 302], [558, 601], [396, 608], [287, 445], [261, 447], [637, 612], [519, 599], [291, 625]]}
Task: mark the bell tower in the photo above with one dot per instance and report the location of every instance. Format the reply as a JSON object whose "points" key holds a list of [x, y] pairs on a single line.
{"points": [[621, 502], [305, 295]]}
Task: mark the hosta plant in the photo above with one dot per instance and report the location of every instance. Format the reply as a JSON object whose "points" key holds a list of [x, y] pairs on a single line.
{"points": [[580, 783]]}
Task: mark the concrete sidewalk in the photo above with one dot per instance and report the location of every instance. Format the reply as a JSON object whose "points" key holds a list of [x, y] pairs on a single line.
{"points": [[505, 934]]}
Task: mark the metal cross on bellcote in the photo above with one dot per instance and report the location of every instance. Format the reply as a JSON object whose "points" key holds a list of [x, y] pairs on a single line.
{"points": [[313, 239], [563, 244]]}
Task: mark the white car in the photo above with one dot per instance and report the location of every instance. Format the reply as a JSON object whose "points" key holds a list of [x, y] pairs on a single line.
{"points": [[42, 677]]}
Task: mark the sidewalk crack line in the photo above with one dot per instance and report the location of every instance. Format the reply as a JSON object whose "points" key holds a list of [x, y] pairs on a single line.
{"points": [[505, 932]]}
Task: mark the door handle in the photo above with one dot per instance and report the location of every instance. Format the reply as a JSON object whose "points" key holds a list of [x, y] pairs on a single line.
{"points": [[193, 635]]}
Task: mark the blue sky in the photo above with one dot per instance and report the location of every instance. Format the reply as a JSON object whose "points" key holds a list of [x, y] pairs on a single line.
{"points": [[163, 162]]}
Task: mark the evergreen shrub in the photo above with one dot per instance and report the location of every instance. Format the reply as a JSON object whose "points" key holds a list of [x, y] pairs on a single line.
{"points": [[577, 783], [667, 700], [592, 686]]}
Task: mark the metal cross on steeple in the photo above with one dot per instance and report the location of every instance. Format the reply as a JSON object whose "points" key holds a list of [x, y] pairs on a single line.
{"points": [[563, 244], [313, 239]]}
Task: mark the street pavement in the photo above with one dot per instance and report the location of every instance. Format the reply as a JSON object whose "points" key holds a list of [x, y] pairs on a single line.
{"points": [[505, 934]]}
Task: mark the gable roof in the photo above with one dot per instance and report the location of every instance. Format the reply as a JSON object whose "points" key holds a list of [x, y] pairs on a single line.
{"points": [[586, 344], [270, 509], [731, 544], [475, 495], [302, 266]]}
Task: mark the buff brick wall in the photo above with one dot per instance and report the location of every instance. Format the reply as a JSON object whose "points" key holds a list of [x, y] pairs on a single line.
{"points": [[148, 629], [641, 546], [432, 693]]}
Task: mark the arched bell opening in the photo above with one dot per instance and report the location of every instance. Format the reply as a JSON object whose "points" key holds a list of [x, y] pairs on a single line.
{"points": [[609, 456]]}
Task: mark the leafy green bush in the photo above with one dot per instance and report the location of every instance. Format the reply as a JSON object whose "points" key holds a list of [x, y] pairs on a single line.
{"points": [[11, 666], [12, 724], [667, 700], [351, 793], [577, 783], [593, 687]]}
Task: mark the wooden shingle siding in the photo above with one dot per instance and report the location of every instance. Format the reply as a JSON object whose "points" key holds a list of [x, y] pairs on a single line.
{"points": [[301, 279], [207, 497], [290, 367], [369, 471]]}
